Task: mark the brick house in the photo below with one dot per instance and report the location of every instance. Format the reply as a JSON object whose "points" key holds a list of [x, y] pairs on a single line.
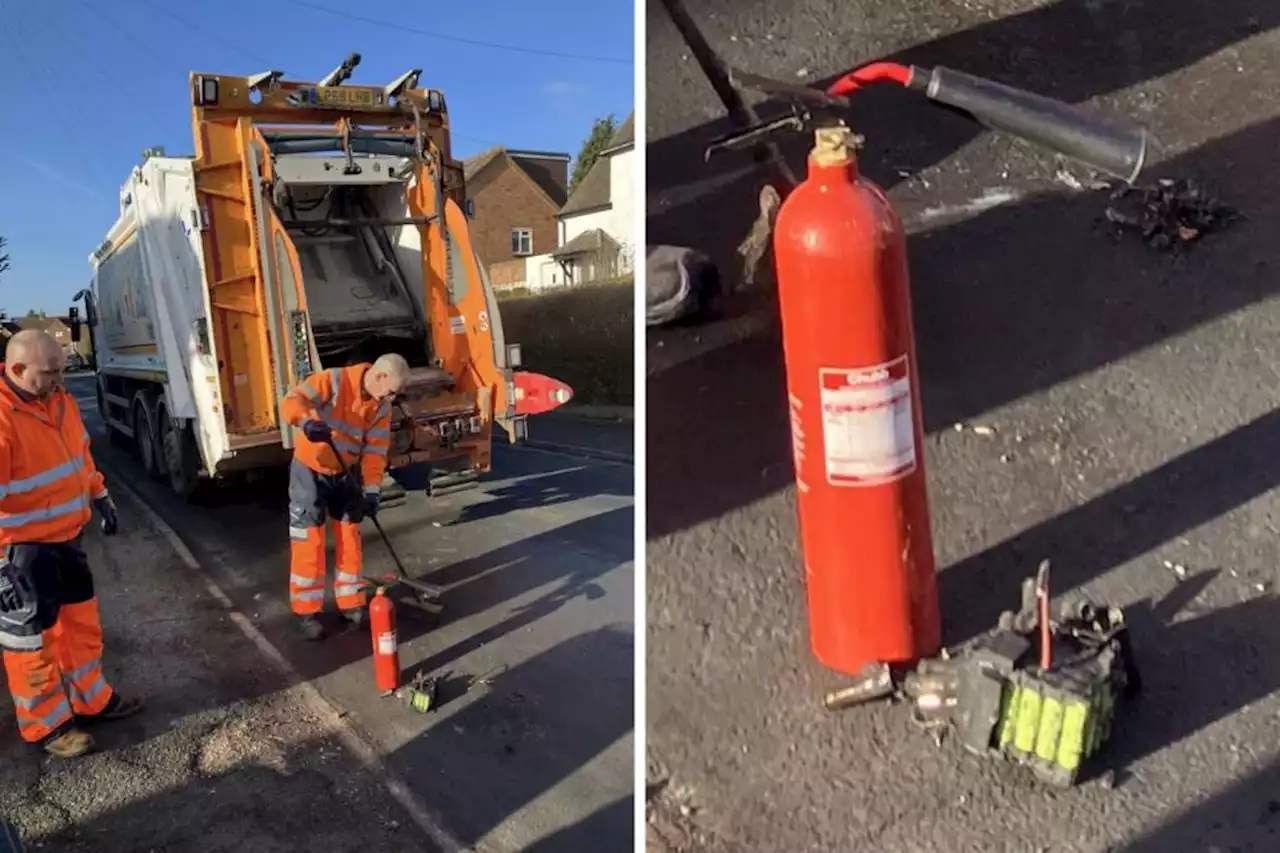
{"points": [[59, 327], [517, 195]]}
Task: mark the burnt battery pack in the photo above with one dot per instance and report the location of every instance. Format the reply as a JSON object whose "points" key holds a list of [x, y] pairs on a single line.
{"points": [[1005, 705]]}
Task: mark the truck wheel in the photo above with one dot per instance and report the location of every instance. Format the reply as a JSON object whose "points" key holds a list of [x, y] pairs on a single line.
{"points": [[180, 455], [144, 439]]}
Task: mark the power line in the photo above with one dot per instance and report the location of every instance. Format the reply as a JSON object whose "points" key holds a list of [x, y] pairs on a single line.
{"points": [[77, 139], [212, 36], [146, 46], [458, 39]]}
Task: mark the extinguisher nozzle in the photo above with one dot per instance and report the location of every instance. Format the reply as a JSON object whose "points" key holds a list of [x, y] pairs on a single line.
{"points": [[1117, 149]]}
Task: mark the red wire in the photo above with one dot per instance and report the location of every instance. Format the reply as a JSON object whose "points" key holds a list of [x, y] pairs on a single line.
{"points": [[1046, 636], [876, 72]]}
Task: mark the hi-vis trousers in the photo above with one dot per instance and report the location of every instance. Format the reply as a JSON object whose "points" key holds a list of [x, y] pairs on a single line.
{"points": [[312, 497], [51, 636]]}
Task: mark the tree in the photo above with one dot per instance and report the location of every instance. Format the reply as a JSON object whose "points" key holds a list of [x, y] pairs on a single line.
{"points": [[601, 132], [34, 313], [4, 266]]}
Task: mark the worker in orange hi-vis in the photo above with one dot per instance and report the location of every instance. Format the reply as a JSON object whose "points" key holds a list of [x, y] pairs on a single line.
{"points": [[49, 626], [349, 407]]}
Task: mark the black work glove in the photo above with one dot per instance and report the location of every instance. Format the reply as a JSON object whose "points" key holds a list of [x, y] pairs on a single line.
{"points": [[107, 511], [371, 504], [317, 430]]}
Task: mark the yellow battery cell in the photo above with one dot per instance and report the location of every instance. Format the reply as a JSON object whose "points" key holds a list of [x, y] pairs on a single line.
{"points": [[1028, 723], [1075, 722], [1050, 729]]}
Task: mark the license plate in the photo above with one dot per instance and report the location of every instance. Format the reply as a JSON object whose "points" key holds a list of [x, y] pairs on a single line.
{"points": [[344, 97]]}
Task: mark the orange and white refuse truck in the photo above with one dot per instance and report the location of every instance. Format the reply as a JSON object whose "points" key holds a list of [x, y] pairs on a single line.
{"points": [[318, 225]]}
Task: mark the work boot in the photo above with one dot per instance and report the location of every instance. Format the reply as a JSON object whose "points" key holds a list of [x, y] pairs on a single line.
{"points": [[355, 617], [311, 628], [117, 708], [679, 283], [71, 743]]}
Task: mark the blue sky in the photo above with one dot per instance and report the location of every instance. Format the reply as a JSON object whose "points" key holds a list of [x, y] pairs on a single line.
{"points": [[87, 85]]}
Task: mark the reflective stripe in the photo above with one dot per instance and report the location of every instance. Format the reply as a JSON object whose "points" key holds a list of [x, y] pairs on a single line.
{"points": [[309, 595], [346, 577], [378, 449], [100, 495], [44, 478], [30, 704], [86, 697], [373, 490], [310, 393], [82, 670], [23, 518], [355, 433], [298, 534], [59, 715], [299, 580], [21, 642], [340, 590], [378, 432], [84, 436], [353, 449]]}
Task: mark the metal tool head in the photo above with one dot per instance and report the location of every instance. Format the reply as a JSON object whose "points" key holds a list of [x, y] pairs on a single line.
{"points": [[796, 91], [808, 106]]}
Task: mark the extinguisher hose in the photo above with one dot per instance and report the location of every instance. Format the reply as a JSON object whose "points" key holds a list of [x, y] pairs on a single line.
{"points": [[1113, 148], [876, 72], [1117, 149]]}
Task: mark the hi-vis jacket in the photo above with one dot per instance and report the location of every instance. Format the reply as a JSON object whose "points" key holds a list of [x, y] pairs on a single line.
{"points": [[361, 425], [48, 481]]}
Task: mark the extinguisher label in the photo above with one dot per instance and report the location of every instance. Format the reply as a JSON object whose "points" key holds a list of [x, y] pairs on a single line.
{"points": [[867, 428], [387, 643]]}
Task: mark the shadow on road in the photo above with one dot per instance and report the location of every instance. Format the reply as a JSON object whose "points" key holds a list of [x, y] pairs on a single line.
{"points": [[583, 835], [511, 735], [508, 573], [1007, 303], [1184, 665], [1244, 817], [514, 737], [1068, 50], [536, 491], [1096, 537]]}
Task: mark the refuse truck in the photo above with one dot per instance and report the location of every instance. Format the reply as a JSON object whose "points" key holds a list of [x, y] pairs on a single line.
{"points": [[319, 224]]}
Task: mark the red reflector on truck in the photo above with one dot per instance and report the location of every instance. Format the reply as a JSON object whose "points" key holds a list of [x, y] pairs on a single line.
{"points": [[536, 393]]}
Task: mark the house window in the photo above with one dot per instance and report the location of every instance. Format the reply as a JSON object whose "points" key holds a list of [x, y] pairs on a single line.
{"points": [[522, 241]]}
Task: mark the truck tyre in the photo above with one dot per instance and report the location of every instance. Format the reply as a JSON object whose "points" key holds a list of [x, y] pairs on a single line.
{"points": [[144, 437], [179, 455]]}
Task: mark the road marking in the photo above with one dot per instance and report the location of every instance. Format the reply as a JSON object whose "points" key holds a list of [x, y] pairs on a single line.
{"points": [[591, 454], [348, 735]]}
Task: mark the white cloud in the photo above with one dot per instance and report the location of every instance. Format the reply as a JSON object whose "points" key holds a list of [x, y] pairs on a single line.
{"points": [[57, 176], [564, 89]]}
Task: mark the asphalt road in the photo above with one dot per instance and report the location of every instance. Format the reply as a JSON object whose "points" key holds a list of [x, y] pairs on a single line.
{"points": [[532, 746], [222, 759], [1132, 393]]}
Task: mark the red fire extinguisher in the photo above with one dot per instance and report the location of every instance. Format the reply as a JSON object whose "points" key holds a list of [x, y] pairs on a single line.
{"points": [[855, 413], [386, 649], [852, 378]]}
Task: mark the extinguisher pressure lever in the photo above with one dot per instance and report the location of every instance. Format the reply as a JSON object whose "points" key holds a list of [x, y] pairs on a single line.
{"points": [[749, 137]]}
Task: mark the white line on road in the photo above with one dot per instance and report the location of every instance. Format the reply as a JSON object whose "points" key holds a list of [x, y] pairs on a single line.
{"points": [[351, 738], [590, 454]]}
